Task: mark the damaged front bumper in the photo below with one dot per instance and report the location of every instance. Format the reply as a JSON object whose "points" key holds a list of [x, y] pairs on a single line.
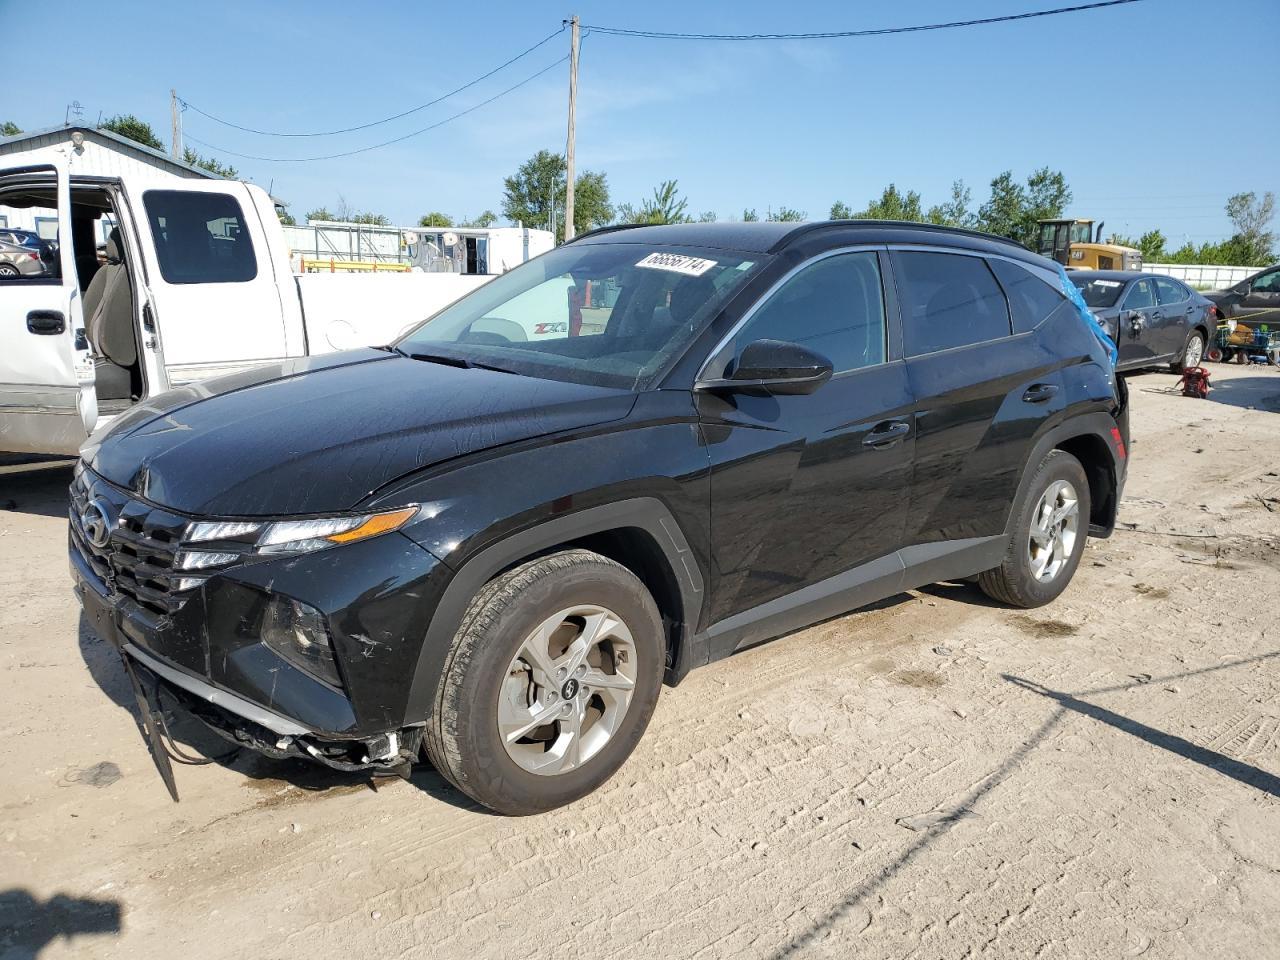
{"points": [[204, 647]]}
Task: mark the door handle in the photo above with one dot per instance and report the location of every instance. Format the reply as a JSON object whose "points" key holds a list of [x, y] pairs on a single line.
{"points": [[886, 434], [1039, 392], [48, 323]]}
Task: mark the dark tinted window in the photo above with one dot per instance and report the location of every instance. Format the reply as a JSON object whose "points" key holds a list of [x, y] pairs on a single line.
{"points": [[1030, 298], [948, 300], [1267, 282], [1141, 295], [834, 306], [1097, 291], [1170, 291], [200, 237]]}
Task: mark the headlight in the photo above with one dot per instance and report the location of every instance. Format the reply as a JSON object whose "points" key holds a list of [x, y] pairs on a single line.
{"points": [[247, 537], [293, 536]]}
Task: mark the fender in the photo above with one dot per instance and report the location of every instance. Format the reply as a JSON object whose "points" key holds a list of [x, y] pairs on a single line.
{"points": [[1098, 425], [646, 513]]}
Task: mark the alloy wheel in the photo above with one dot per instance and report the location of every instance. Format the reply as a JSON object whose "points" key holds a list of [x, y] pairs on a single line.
{"points": [[1195, 351], [567, 689], [1054, 528]]}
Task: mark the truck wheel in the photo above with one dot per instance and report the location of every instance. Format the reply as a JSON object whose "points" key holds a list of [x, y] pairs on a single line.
{"points": [[1049, 530], [550, 683], [1192, 353]]}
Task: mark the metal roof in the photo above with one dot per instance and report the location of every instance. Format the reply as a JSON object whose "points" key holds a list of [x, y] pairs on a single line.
{"points": [[112, 137]]}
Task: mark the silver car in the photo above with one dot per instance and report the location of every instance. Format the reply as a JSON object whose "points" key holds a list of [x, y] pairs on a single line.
{"points": [[20, 261]]}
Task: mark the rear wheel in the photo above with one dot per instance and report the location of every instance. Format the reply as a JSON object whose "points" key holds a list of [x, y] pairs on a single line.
{"points": [[1192, 353], [8, 270], [1048, 536], [550, 684]]}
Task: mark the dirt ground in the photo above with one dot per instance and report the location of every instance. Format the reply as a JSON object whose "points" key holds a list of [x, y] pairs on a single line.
{"points": [[933, 777]]}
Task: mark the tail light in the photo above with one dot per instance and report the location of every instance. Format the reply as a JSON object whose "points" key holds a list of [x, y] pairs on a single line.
{"points": [[33, 256]]}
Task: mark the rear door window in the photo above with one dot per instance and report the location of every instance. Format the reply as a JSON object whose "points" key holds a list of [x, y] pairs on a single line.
{"points": [[1031, 299], [1170, 291], [948, 300], [200, 237]]}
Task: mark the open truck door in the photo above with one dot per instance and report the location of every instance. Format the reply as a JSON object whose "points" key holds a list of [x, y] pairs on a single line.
{"points": [[218, 280], [47, 399]]}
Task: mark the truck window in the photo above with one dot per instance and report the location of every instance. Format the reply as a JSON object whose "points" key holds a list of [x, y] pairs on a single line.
{"points": [[200, 237]]}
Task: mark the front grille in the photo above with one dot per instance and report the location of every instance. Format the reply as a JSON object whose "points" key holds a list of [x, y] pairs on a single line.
{"points": [[138, 559]]}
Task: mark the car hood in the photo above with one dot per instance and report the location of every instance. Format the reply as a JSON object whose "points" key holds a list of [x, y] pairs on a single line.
{"points": [[320, 435]]}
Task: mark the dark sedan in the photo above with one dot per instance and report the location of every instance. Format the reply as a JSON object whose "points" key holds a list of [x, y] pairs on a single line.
{"points": [[1254, 299], [1154, 320]]}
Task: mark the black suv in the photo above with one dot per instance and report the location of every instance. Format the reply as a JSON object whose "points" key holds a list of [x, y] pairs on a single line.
{"points": [[636, 454]]}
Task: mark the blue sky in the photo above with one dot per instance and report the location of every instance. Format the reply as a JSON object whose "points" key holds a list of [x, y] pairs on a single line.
{"points": [[1146, 108]]}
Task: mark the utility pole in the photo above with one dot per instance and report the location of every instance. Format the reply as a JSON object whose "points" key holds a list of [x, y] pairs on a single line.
{"points": [[568, 152], [176, 116]]}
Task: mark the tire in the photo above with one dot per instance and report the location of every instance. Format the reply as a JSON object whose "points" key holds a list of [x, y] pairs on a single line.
{"points": [[489, 669], [8, 270], [1192, 353], [1015, 581], [1214, 354]]}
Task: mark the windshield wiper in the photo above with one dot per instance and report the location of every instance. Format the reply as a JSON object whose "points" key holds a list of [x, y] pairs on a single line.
{"points": [[451, 361]]}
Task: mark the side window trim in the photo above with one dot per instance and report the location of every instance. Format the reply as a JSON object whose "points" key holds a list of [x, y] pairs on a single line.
{"points": [[1133, 290], [888, 296]]}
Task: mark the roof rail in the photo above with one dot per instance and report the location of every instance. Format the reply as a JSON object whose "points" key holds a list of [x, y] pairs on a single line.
{"points": [[962, 231], [612, 228]]}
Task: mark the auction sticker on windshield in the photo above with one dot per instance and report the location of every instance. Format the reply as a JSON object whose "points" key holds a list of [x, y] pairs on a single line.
{"points": [[677, 263]]}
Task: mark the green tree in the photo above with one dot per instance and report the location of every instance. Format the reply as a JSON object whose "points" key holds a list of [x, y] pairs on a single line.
{"points": [[285, 217], [955, 212], [371, 219], [785, 215], [1002, 213], [435, 219], [1150, 243], [320, 214], [127, 125], [209, 163], [665, 206], [1047, 197], [750, 216], [538, 187], [1014, 210], [9, 129], [894, 205], [841, 211], [486, 219], [707, 216], [1251, 216]]}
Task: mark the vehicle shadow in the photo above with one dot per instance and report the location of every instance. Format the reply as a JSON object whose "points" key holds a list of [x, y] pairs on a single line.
{"points": [[28, 925], [269, 775], [1252, 393], [1066, 704], [38, 489]]}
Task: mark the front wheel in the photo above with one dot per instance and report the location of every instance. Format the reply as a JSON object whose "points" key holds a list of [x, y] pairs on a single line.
{"points": [[550, 683], [1192, 353], [1046, 542]]}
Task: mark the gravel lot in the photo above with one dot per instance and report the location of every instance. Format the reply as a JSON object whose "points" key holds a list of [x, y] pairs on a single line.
{"points": [[936, 776]]}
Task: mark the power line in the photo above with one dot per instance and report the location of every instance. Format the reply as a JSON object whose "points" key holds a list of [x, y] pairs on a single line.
{"points": [[188, 105], [834, 34], [385, 143]]}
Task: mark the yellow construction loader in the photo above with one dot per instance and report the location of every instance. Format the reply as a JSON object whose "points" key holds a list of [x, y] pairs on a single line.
{"points": [[1077, 246]]}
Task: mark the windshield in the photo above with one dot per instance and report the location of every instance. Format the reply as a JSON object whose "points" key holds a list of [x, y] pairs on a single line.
{"points": [[1098, 292], [610, 314]]}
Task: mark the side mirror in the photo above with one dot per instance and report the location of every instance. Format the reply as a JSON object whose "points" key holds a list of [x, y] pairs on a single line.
{"points": [[781, 368]]}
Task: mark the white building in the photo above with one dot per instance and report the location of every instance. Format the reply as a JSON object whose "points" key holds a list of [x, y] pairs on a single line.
{"points": [[98, 153]]}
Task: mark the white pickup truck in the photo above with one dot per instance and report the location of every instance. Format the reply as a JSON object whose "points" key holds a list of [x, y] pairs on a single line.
{"points": [[194, 281]]}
